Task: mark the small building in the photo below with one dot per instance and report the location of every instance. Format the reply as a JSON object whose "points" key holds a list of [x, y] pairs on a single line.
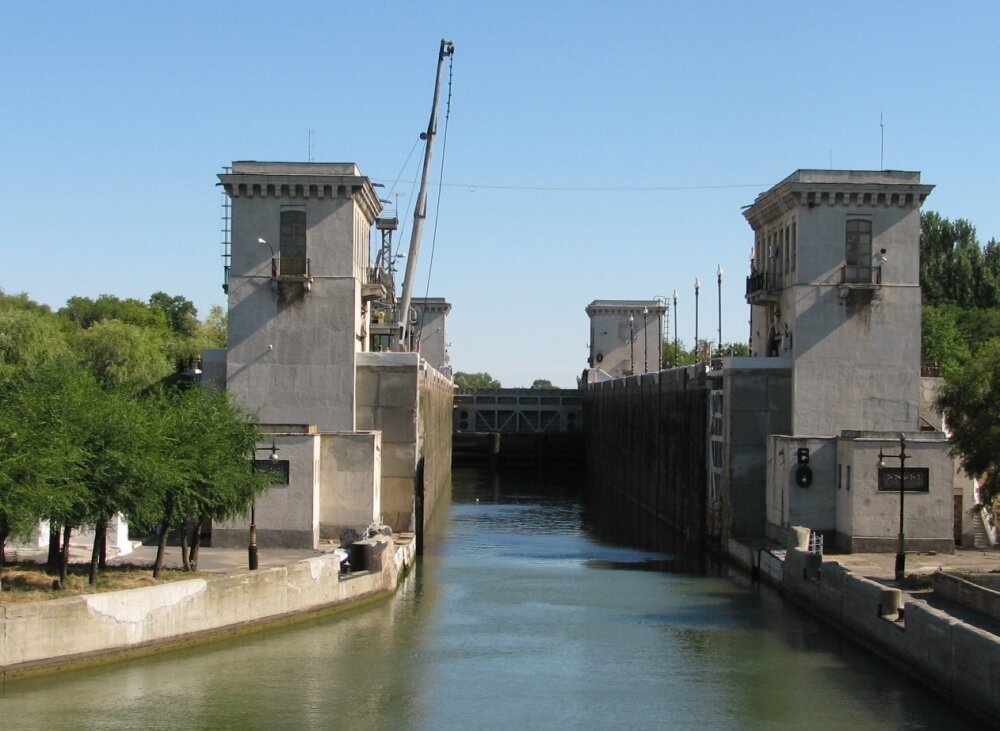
{"points": [[626, 337]]}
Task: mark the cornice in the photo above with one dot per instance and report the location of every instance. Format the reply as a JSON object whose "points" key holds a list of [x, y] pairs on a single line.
{"points": [[303, 187], [776, 203]]}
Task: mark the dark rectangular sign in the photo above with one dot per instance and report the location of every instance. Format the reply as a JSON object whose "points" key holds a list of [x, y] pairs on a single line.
{"points": [[915, 479]]}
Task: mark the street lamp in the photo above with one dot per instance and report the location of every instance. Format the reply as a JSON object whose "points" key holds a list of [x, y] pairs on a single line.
{"points": [[900, 552], [631, 343], [718, 273], [675, 328], [252, 545], [697, 286], [645, 341]]}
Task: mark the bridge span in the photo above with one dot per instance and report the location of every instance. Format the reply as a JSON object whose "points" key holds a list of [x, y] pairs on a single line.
{"points": [[518, 426]]}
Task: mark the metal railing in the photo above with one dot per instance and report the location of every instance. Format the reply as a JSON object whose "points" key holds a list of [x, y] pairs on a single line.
{"points": [[290, 266], [860, 274]]}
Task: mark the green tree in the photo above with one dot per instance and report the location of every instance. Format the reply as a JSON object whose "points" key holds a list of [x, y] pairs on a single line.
{"points": [[85, 312], [543, 384], [205, 448], [124, 356], [942, 341], [476, 381], [954, 268], [180, 313], [970, 400]]}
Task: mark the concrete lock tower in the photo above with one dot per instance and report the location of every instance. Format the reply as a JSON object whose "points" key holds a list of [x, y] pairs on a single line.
{"points": [[297, 293], [834, 287]]}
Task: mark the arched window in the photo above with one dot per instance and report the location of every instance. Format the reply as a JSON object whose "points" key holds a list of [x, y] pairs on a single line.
{"points": [[858, 251], [293, 242]]}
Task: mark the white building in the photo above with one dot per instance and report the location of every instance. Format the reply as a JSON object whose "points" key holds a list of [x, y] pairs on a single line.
{"points": [[430, 332]]}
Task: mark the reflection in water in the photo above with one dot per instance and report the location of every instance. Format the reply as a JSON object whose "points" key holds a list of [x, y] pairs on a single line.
{"points": [[514, 617]]}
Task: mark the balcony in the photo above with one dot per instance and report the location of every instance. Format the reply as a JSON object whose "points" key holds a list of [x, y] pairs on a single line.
{"points": [[292, 270], [859, 278], [763, 287]]}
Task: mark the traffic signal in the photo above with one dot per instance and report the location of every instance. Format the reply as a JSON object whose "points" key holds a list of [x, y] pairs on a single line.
{"points": [[803, 473]]}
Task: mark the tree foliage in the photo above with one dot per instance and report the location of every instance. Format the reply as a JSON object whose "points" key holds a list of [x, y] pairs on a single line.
{"points": [[476, 381], [543, 384], [89, 430], [970, 400], [954, 268]]}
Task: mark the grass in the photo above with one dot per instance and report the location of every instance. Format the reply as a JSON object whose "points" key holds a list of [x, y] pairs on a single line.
{"points": [[30, 582]]}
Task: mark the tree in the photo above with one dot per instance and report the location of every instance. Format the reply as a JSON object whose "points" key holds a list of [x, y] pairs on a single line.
{"points": [[970, 401], [180, 313], [85, 312], [205, 445], [543, 384], [476, 381], [942, 341], [124, 356], [954, 269]]}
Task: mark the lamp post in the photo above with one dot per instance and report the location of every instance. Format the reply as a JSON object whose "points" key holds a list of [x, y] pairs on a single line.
{"points": [[645, 341], [675, 328], [252, 545], [900, 552], [631, 344], [697, 286], [718, 274]]}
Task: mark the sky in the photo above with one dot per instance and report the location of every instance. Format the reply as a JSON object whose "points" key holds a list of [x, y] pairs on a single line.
{"points": [[593, 150]]}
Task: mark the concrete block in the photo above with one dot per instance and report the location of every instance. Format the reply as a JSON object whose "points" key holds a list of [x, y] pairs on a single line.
{"points": [[397, 424]]}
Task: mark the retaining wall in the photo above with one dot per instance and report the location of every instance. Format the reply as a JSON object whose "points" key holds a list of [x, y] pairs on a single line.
{"points": [[645, 441], [75, 629], [960, 660]]}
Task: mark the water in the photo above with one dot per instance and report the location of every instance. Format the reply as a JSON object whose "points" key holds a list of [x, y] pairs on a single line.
{"points": [[516, 618]]}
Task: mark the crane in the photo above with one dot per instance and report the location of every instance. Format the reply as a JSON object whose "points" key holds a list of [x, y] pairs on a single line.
{"points": [[420, 209]]}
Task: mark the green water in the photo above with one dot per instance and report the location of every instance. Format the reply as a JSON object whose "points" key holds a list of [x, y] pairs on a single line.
{"points": [[516, 618]]}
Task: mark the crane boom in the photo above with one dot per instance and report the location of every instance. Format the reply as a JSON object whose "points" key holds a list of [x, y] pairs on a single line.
{"points": [[420, 209]]}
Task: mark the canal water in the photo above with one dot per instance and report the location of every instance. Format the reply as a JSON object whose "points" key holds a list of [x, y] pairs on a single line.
{"points": [[517, 617]]}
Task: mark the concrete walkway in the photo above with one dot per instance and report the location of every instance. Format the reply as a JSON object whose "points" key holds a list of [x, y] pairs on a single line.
{"points": [[212, 560], [881, 567]]}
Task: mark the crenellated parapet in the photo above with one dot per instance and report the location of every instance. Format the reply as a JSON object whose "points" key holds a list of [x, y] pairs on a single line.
{"points": [[302, 181]]}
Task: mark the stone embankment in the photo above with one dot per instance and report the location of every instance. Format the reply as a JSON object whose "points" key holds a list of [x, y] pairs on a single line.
{"points": [[947, 638], [49, 635]]}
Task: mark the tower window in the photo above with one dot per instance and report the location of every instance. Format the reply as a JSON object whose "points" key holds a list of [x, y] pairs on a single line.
{"points": [[293, 243], [858, 252]]}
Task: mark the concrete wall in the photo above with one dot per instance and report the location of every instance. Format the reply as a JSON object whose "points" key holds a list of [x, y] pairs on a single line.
{"points": [[976, 591], [411, 404], [756, 403], [287, 515], [815, 506], [960, 660], [64, 630], [350, 482]]}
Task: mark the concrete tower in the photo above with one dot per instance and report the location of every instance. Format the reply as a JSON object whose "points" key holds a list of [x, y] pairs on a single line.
{"points": [[834, 288], [297, 293]]}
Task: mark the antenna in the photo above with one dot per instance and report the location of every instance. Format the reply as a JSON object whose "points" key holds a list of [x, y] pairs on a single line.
{"points": [[311, 132], [881, 152]]}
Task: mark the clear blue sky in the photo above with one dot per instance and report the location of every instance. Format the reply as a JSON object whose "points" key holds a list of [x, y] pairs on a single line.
{"points": [[595, 150]]}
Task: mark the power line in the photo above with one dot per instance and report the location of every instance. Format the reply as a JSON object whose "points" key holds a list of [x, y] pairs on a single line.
{"points": [[596, 189]]}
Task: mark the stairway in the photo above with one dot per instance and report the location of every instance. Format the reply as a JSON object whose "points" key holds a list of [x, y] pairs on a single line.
{"points": [[980, 538]]}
